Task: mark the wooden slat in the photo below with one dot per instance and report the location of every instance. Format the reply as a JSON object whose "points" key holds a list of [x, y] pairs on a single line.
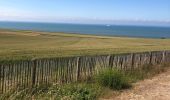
{"points": [[0, 79]]}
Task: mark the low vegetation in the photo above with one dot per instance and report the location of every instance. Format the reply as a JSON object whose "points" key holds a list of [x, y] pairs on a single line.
{"points": [[56, 92], [29, 44], [146, 71], [113, 79], [93, 89]]}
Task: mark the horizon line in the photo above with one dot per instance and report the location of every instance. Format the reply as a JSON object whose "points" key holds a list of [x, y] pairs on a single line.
{"points": [[133, 23]]}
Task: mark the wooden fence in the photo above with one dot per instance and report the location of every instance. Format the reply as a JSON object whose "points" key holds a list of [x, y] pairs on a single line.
{"points": [[71, 69]]}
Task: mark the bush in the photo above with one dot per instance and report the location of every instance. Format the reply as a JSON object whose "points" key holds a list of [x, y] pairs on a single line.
{"points": [[113, 79], [81, 91]]}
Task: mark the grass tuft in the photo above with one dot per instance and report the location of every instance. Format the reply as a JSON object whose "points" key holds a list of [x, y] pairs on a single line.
{"points": [[113, 79]]}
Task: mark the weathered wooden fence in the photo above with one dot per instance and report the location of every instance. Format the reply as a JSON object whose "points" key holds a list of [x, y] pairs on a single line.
{"points": [[71, 69]]}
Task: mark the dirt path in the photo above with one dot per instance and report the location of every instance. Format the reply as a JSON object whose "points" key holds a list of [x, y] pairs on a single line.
{"points": [[157, 88]]}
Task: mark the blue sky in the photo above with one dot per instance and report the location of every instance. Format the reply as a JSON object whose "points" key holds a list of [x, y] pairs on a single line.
{"points": [[87, 11]]}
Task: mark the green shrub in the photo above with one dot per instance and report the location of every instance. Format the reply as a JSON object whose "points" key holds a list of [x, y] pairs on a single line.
{"points": [[113, 79], [81, 91]]}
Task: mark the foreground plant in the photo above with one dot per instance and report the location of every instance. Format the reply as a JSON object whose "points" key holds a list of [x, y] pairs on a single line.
{"points": [[113, 79], [76, 91]]}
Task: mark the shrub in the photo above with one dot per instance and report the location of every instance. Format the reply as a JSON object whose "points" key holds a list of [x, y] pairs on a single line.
{"points": [[113, 79], [81, 91]]}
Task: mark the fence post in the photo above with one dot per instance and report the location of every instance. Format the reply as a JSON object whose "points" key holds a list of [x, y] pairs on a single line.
{"points": [[33, 72], [163, 57], [3, 75], [132, 63], [78, 68], [150, 61], [0, 79]]}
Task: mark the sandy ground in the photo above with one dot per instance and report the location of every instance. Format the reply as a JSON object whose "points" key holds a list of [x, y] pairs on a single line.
{"points": [[157, 88]]}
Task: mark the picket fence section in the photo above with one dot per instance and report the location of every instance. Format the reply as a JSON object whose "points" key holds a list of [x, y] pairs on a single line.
{"points": [[72, 69]]}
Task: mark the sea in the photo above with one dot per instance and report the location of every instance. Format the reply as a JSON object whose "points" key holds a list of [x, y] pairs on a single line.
{"points": [[93, 29]]}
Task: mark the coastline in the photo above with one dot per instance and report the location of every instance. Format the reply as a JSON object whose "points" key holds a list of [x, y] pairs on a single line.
{"points": [[135, 31]]}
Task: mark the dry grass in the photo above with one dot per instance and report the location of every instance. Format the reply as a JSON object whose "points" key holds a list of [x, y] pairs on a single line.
{"points": [[29, 44]]}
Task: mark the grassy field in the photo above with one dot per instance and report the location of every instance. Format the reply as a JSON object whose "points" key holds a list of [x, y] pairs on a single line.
{"points": [[29, 44]]}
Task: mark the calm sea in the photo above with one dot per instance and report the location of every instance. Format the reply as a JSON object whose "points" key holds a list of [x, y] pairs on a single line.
{"points": [[108, 30]]}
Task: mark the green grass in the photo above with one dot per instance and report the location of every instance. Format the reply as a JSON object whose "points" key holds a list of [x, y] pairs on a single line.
{"points": [[76, 91], [146, 71], [30, 44]]}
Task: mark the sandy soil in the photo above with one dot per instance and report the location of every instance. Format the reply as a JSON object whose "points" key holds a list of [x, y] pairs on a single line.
{"points": [[157, 88]]}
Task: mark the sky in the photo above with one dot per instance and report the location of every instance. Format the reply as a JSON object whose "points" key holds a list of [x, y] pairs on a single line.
{"points": [[151, 12]]}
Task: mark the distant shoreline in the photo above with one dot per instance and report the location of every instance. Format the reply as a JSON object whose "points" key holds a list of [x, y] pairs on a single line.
{"points": [[99, 30], [83, 34]]}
